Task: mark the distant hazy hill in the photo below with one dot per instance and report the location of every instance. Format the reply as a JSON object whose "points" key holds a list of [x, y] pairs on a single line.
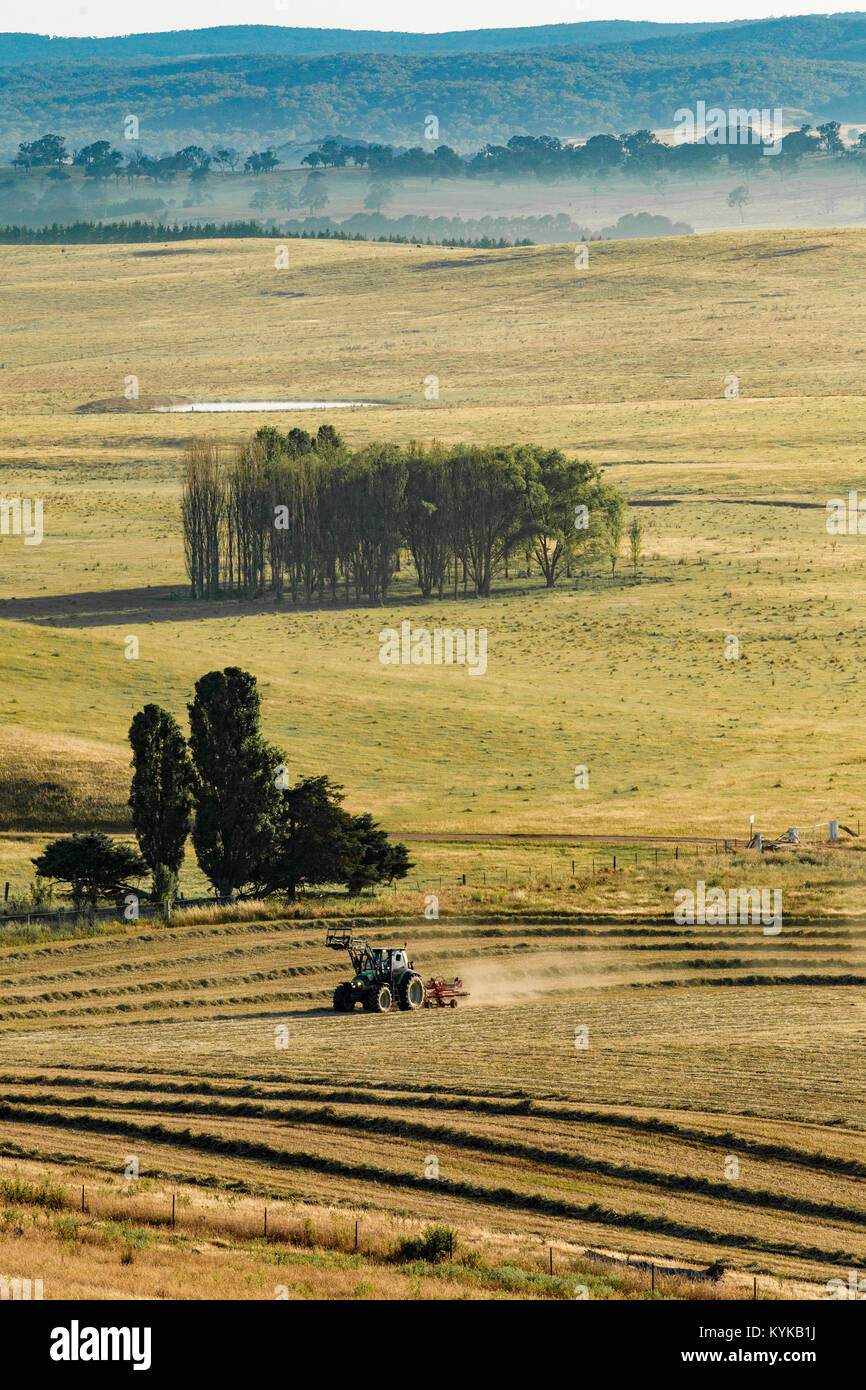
{"points": [[254, 86], [271, 38]]}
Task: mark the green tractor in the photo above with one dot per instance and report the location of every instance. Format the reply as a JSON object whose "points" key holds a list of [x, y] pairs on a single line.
{"points": [[382, 975]]}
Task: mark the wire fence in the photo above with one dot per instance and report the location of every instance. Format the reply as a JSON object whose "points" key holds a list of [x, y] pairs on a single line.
{"points": [[562, 870], [606, 861]]}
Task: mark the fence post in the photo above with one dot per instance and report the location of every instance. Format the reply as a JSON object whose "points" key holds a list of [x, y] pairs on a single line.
{"points": [[82, 1196], [356, 1236], [172, 1208], [653, 1268], [551, 1259], [266, 1223]]}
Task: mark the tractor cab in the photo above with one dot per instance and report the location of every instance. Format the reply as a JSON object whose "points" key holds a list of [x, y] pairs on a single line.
{"points": [[389, 961]]}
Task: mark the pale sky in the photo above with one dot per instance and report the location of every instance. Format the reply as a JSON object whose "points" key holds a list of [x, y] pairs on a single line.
{"points": [[100, 17]]}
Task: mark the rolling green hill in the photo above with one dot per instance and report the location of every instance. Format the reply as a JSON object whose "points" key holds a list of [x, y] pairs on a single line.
{"points": [[269, 85], [272, 38]]}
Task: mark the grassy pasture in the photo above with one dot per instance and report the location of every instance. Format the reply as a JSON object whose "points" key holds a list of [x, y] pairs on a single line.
{"points": [[624, 362], [621, 881]]}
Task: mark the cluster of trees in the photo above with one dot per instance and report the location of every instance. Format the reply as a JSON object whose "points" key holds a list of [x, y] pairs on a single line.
{"points": [[305, 515], [638, 152], [483, 233], [253, 834], [333, 153], [83, 233], [379, 229], [643, 224], [450, 231], [100, 160]]}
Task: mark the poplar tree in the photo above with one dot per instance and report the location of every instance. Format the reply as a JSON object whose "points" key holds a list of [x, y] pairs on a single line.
{"points": [[161, 796], [236, 793]]}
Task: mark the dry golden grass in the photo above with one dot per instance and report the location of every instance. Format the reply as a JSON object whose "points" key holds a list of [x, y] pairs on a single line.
{"points": [[81, 781], [209, 1050], [125, 1245], [629, 680]]}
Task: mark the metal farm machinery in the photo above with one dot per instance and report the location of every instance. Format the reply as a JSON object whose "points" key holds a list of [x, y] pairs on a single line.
{"points": [[383, 975], [444, 993]]}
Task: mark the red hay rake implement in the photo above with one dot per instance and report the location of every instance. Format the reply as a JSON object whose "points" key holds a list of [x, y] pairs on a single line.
{"points": [[443, 993]]}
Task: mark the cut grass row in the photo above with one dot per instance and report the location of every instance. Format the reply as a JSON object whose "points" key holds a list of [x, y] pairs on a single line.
{"points": [[373, 1165], [124, 1246], [503, 962], [652, 957], [151, 1081], [255, 932], [513, 1144]]}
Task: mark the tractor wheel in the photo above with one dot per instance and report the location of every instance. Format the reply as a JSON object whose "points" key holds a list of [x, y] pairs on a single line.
{"points": [[344, 999], [453, 1003], [411, 993], [380, 1000]]}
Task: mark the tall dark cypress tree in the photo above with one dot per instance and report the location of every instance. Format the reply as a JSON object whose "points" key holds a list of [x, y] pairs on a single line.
{"points": [[161, 796], [237, 801]]}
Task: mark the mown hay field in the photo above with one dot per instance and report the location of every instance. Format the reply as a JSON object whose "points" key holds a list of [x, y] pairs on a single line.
{"points": [[713, 1113], [624, 362]]}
